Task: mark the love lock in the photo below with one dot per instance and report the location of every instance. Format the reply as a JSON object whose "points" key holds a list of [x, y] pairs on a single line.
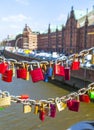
{"points": [[27, 108], [59, 69], [91, 94], [22, 72], [36, 73], [73, 105], [5, 100], [75, 64], [67, 73], [42, 113], [7, 76], [50, 69], [3, 67], [53, 110], [60, 105]]}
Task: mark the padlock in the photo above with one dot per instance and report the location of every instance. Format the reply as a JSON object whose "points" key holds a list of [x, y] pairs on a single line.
{"points": [[3, 67], [14, 71], [11, 65], [47, 111], [91, 94], [27, 108], [53, 110], [45, 77], [43, 67], [36, 73], [92, 59], [12, 68], [27, 76], [42, 113], [67, 73], [5, 100], [75, 65], [84, 98], [21, 73], [36, 109], [73, 105], [1, 108], [23, 96], [59, 70], [83, 58], [18, 72], [27, 73], [60, 105], [7, 76], [50, 70]]}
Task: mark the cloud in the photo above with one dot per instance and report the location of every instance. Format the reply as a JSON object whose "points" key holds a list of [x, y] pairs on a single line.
{"points": [[15, 18], [24, 2]]}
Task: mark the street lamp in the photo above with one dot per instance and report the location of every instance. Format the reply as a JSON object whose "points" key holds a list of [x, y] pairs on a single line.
{"points": [[17, 42]]}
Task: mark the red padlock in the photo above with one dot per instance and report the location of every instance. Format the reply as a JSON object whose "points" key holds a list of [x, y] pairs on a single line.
{"points": [[3, 67], [21, 73], [73, 105], [75, 65], [36, 73], [7, 76], [84, 98], [42, 115], [24, 96], [59, 70], [67, 73], [42, 112]]}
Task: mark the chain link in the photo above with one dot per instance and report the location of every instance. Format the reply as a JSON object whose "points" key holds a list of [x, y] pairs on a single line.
{"points": [[50, 100], [65, 98], [45, 103]]}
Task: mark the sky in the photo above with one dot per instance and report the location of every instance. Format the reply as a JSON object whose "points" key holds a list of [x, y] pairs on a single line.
{"points": [[37, 14]]}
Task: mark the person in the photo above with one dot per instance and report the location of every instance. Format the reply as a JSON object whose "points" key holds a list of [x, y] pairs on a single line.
{"points": [[83, 125]]}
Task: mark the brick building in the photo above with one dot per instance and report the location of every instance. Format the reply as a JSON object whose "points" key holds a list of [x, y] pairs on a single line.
{"points": [[26, 40], [29, 39], [75, 36]]}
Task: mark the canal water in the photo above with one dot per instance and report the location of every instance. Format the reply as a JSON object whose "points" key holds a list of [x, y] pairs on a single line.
{"points": [[13, 118]]}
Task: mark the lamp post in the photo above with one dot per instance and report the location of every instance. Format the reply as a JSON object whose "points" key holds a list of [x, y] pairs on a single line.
{"points": [[17, 42]]}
